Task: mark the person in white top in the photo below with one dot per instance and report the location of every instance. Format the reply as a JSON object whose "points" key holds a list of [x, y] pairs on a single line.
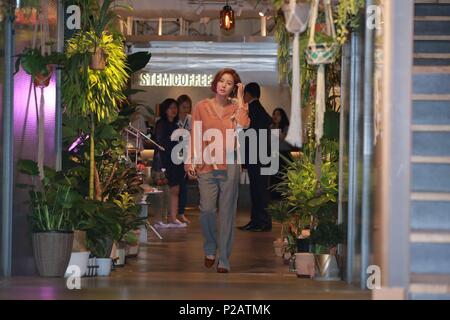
{"points": [[139, 120], [184, 122]]}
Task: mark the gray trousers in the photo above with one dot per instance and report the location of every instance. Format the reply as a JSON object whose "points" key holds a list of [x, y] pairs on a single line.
{"points": [[223, 185]]}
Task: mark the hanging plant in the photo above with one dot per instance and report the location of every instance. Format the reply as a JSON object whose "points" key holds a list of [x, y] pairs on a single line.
{"points": [[88, 91], [94, 93], [348, 17], [39, 66]]}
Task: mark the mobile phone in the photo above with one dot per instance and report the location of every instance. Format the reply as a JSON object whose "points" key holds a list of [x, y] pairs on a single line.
{"points": [[235, 90]]}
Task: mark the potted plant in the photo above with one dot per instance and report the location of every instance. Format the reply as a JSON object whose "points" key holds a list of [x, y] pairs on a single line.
{"points": [[81, 221], [129, 220], [51, 201], [39, 66], [279, 211], [101, 235], [95, 94], [96, 21], [312, 195], [326, 236]]}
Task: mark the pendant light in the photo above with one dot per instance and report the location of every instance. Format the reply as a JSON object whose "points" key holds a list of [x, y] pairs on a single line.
{"points": [[227, 17]]}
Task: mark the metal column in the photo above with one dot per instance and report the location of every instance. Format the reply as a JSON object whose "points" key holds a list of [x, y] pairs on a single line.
{"points": [[345, 70], [7, 156], [367, 150], [58, 105], [354, 141]]}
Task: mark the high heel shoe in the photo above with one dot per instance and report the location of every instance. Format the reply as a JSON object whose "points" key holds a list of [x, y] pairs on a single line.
{"points": [[184, 219]]}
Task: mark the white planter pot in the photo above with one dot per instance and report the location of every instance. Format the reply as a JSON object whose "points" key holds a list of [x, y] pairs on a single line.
{"points": [[121, 253], [132, 251], [104, 266], [304, 265], [80, 260]]}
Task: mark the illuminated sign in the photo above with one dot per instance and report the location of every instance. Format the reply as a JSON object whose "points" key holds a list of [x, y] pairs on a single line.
{"points": [[175, 79]]}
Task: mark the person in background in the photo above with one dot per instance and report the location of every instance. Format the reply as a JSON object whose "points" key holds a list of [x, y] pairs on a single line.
{"points": [[184, 122], [259, 184], [164, 128], [280, 121], [218, 181], [140, 119]]}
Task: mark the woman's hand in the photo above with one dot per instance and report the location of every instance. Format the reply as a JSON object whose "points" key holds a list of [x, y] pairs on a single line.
{"points": [[240, 93], [192, 174]]}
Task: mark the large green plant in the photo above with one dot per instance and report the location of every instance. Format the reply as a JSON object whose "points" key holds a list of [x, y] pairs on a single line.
{"points": [[304, 190], [52, 199], [96, 94], [104, 229], [112, 174], [312, 196], [111, 221], [128, 217], [96, 17]]}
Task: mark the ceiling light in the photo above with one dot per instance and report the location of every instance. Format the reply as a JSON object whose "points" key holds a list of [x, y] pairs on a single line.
{"points": [[227, 17]]}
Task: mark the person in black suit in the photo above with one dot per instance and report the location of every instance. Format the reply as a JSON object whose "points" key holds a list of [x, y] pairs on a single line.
{"points": [[259, 194]]}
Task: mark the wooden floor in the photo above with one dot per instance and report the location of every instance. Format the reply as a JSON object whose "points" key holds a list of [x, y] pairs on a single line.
{"points": [[173, 269]]}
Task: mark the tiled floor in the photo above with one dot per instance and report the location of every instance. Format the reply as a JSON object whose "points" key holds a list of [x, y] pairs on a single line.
{"points": [[173, 269]]}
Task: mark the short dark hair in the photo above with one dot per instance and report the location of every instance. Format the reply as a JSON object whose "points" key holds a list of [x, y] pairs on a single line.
{"points": [[253, 89], [164, 106], [219, 75]]}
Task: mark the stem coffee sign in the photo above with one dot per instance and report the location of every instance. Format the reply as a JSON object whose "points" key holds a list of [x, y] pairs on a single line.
{"points": [[147, 79]]}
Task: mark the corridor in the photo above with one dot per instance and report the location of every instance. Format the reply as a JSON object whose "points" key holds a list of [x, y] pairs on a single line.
{"points": [[173, 269]]}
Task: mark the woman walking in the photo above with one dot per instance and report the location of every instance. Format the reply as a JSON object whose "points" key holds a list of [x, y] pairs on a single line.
{"points": [[174, 172], [218, 179]]}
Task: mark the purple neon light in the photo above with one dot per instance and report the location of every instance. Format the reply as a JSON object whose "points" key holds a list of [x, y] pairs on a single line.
{"points": [[25, 122], [78, 142]]}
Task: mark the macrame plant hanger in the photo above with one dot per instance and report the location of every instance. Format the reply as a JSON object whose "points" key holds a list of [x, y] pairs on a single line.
{"points": [[45, 50], [320, 55], [41, 28], [295, 25]]}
